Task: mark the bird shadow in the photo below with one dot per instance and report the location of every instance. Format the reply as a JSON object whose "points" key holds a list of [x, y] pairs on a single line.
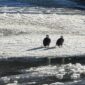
{"points": [[37, 48], [49, 48]]}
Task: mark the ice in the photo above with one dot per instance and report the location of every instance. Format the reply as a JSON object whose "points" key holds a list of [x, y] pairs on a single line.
{"points": [[57, 83], [56, 75], [6, 79], [73, 71], [22, 35], [15, 83], [75, 76]]}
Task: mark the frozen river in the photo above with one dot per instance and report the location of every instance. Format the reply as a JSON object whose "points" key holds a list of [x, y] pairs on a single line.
{"points": [[21, 36]]}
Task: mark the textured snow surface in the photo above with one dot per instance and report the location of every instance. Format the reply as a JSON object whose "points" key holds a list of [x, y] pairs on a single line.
{"points": [[22, 34]]}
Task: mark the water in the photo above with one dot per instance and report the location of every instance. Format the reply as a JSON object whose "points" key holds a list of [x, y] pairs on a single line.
{"points": [[13, 6], [65, 74], [54, 3], [18, 71]]}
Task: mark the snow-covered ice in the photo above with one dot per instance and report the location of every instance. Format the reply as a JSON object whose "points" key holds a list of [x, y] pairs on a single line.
{"points": [[22, 35]]}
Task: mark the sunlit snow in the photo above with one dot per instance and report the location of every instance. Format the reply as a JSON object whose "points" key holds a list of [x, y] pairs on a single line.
{"points": [[22, 34]]}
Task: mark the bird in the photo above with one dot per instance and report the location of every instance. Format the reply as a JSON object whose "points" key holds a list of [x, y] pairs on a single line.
{"points": [[46, 41], [60, 41]]}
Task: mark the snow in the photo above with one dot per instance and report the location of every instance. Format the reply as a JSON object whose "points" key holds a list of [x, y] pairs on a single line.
{"points": [[22, 35]]}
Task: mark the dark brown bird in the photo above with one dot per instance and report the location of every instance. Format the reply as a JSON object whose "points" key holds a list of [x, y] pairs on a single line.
{"points": [[46, 41], [60, 41]]}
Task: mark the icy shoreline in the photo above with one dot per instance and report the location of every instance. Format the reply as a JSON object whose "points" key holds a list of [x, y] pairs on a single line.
{"points": [[42, 10]]}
